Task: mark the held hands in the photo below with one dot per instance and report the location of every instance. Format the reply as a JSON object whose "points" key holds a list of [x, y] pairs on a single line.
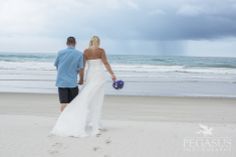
{"points": [[81, 82]]}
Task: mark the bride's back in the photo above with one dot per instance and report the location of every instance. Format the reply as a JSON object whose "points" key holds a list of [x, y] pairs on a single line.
{"points": [[95, 70], [94, 59], [93, 53]]}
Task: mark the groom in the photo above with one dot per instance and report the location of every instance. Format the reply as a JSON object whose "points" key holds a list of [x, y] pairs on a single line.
{"points": [[69, 63]]}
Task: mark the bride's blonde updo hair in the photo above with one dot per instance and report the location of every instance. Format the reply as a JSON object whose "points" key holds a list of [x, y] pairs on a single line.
{"points": [[94, 41]]}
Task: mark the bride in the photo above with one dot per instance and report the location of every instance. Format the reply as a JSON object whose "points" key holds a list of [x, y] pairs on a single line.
{"points": [[81, 117]]}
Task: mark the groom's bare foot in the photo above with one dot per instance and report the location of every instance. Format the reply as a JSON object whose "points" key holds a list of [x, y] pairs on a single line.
{"points": [[63, 107]]}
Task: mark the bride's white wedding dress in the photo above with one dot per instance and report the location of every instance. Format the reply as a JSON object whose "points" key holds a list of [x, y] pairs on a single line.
{"points": [[81, 117]]}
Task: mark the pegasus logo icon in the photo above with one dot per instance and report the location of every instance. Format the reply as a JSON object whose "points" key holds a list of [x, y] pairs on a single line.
{"points": [[205, 130]]}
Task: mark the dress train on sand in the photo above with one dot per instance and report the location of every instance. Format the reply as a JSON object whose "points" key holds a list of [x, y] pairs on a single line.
{"points": [[82, 116]]}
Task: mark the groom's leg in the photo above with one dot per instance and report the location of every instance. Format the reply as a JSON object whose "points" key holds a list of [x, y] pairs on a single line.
{"points": [[73, 93], [63, 106], [64, 97]]}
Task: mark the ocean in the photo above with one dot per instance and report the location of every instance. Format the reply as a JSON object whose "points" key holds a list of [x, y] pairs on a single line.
{"points": [[143, 75]]}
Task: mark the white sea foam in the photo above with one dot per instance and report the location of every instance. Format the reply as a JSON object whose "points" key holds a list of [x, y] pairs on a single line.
{"points": [[141, 77], [48, 66]]}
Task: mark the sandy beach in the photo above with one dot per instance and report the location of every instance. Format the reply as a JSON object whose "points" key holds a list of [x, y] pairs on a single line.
{"points": [[135, 127]]}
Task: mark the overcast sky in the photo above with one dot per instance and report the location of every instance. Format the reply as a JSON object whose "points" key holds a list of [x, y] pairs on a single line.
{"points": [[170, 27]]}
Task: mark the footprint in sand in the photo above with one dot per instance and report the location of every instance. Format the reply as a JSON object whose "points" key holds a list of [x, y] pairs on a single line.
{"points": [[52, 152], [98, 135], [103, 129], [57, 144], [108, 141], [55, 148], [96, 148]]}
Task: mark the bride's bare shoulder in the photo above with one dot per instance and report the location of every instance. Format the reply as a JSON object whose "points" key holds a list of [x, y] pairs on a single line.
{"points": [[86, 50], [101, 49]]}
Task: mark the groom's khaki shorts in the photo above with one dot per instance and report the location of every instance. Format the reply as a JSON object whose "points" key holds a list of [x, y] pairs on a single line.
{"points": [[66, 95]]}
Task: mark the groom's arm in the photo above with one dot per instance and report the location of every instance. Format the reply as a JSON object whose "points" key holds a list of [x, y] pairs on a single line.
{"points": [[81, 72], [81, 76], [56, 61]]}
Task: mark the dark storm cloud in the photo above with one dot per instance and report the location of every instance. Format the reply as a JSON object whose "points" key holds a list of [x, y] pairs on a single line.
{"points": [[150, 26], [192, 23], [122, 19]]}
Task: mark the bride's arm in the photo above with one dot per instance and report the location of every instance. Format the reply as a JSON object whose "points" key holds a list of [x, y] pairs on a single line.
{"points": [[107, 65]]}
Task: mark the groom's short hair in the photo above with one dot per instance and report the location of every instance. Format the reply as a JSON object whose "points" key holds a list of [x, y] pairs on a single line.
{"points": [[71, 41]]}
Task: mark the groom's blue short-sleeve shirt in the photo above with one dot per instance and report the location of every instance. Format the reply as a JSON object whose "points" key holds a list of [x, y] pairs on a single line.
{"points": [[68, 63]]}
